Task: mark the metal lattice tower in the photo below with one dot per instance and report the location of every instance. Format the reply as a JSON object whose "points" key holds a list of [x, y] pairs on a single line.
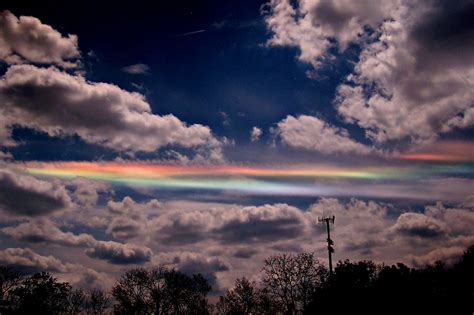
{"points": [[329, 240]]}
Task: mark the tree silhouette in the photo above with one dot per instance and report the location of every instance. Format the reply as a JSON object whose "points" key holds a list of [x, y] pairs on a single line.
{"points": [[244, 298], [292, 280], [160, 291], [9, 279], [76, 300], [291, 284], [40, 294], [97, 302]]}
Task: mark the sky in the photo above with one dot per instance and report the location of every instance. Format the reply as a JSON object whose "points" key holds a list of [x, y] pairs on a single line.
{"points": [[208, 135]]}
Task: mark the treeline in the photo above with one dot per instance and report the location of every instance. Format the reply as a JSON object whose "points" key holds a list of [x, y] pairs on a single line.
{"points": [[289, 284]]}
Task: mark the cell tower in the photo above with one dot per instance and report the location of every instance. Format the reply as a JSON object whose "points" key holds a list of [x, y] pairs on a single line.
{"points": [[330, 241]]}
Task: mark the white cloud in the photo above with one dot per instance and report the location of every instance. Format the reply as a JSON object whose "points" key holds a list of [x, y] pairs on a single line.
{"points": [[413, 78], [311, 24], [255, 134], [62, 104], [314, 134], [27, 39]]}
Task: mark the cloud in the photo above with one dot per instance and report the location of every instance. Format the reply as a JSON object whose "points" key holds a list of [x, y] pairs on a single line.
{"points": [[25, 195], [245, 252], [139, 68], [261, 224], [458, 220], [26, 39], [312, 133], [360, 226], [312, 24], [230, 224], [58, 103], [448, 255], [255, 134], [45, 231], [86, 192], [123, 228], [120, 254], [419, 224], [181, 230], [206, 266], [26, 260], [413, 76], [226, 121], [217, 239], [129, 208]]}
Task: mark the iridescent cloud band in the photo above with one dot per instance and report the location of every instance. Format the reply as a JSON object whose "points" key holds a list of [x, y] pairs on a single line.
{"points": [[291, 180]]}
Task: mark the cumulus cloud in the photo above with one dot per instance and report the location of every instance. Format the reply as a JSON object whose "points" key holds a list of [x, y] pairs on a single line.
{"points": [[311, 24], [360, 225], [123, 228], [28, 261], [419, 224], [58, 103], [231, 224], [255, 134], [447, 255], [206, 266], [312, 133], [261, 224], [86, 192], [27, 39], [139, 68], [25, 195], [120, 254], [415, 70], [217, 239], [130, 208], [45, 231]]}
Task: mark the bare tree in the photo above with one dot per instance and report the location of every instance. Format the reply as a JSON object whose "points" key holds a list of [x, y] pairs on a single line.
{"points": [[76, 301], [293, 279], [97, 302], [132, 292], [242, 299], [161, 291]]}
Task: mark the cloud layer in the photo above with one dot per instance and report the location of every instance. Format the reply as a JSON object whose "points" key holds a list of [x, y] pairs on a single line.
{"points": [[45, 231]]}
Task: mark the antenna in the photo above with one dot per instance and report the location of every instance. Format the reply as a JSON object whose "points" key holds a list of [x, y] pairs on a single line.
{"points": [[328, 220]]}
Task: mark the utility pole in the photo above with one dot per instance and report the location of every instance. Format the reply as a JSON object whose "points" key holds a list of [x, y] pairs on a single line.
{"points": [[330, 241]]}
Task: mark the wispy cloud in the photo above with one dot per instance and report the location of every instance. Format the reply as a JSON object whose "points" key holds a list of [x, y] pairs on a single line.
{"points": [[139, 68], [190, 33]]}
